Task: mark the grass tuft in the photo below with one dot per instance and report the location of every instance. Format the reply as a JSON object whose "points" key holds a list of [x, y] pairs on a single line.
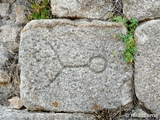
{"points": [[129, 38], [39, 9]]}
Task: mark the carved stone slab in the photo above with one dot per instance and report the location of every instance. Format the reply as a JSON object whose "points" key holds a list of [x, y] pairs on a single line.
{"points": [[73, 66]]}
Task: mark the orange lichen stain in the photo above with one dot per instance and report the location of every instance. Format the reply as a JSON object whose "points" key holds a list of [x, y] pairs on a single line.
{"points": [[92, 98], [106, 77], [96, 107], [55, 104], [102, 90]]}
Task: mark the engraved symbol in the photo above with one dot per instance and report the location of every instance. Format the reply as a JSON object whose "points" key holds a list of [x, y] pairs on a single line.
{"points": [[97, 64]]}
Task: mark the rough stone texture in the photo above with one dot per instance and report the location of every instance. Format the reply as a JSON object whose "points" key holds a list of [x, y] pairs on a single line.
{"points": [[70, 66], [95, 9], [4, 77], [4, 7], [20, 14], [11, 1], [147, 65], [11, 114], [3, 56], [16, 103], [13, 12], [6, 91], [141, 9], [12, 19], [9, 37]]}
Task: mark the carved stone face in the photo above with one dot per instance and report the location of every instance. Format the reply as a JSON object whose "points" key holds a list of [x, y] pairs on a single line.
{"points": [[69, 66]]}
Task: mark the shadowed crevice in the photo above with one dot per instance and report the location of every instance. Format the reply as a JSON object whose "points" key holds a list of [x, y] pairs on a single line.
{"points": [[135, 100]]}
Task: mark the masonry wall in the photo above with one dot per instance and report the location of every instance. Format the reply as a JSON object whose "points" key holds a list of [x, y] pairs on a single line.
{"points": [[72, 67]]}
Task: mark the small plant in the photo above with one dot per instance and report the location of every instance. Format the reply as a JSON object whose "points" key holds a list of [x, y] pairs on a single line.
{"points": [[128, 38], [39, 10]]}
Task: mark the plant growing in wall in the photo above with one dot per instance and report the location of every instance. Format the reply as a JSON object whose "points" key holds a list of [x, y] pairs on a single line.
{"points": [[128, 38], [39, 9]]}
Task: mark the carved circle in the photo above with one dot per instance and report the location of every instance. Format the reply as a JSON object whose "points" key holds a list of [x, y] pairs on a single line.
{"points": [[97, 64]]}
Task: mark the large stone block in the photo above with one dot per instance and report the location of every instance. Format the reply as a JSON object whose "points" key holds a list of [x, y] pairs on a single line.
{"points": [[141, 9], [94, 9], [11, 114], [147, 65], [73, 66], [4, 7]]}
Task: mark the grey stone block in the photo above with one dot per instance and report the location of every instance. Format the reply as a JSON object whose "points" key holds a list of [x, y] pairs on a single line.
{"points": [[141, 9], [9, 36], [70, 66], [11, 114], [13, 11], [95, 9], [4, 7], [20, 13], [147, 65]]}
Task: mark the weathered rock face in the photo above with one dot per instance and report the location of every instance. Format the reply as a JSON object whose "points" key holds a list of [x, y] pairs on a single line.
{"points": [[95, 9], [16, 103], [9, 114], [147, 65], [8, 42], [6, 91], [9, 37], [141, 9], [12, 18], [4, 7], [3, 56], [70, 66], [13, 11]]}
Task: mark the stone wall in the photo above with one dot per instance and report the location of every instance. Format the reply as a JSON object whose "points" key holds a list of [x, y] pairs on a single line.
{"points": [[71, 68], [12, 19]]}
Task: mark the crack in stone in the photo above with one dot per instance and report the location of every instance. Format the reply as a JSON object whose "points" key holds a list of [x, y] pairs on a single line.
{"points": [[148, 19], [135, 100], [68, 112]]}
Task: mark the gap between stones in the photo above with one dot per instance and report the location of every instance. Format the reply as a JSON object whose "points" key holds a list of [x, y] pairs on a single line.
{"points": [[135, 100], [118, 10], [69, 112]]}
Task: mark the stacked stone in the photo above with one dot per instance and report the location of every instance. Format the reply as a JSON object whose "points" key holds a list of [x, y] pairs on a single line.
{"points": [[147, 59], [12, 20]]}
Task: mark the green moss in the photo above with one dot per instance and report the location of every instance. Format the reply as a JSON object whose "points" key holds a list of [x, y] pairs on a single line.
{"points": [[39, 10], [129, 38]]}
